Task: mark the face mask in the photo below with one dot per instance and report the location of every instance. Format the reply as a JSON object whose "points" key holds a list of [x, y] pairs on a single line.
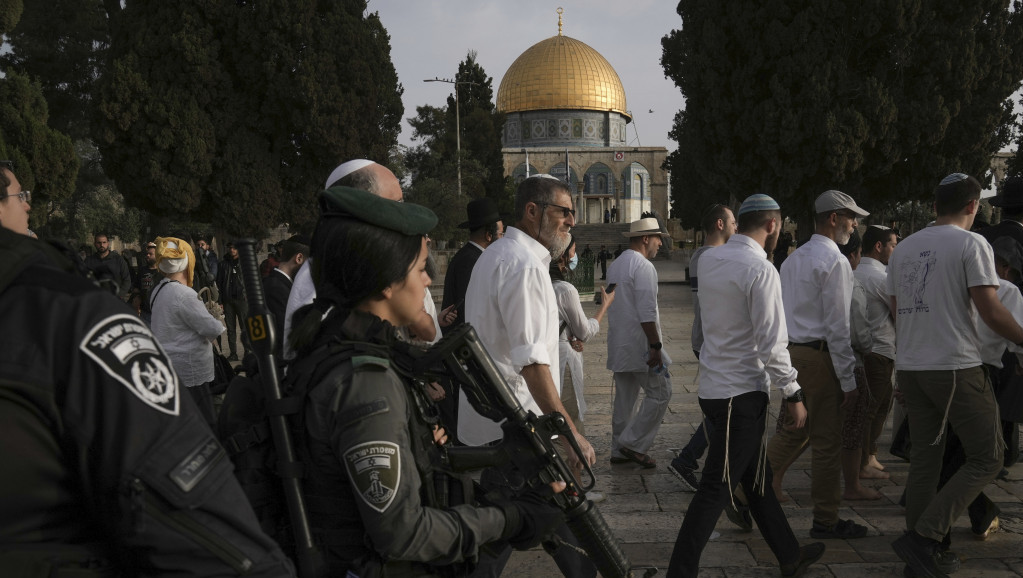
{"points": [[573, 262]]}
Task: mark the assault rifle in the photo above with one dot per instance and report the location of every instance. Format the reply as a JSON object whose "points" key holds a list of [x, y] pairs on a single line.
{"points": [[261, 335], [527, 447]]}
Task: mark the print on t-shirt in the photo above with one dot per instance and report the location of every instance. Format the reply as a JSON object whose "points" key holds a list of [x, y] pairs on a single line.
{"points": [[914, 281]]}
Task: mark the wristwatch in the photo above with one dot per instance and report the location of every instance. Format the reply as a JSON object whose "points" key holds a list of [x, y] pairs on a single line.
{"points": [[656, 346], [796, 397]]}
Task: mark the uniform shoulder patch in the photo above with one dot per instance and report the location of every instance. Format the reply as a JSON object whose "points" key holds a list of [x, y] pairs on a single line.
{"points": [[375, 471], [126, 349]]}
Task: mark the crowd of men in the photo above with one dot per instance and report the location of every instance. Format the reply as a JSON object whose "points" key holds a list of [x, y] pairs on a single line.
{"points": [[937, 313]]}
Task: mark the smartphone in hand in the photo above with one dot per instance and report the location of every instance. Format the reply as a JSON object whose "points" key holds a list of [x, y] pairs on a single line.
{"points": [[610, 288]]}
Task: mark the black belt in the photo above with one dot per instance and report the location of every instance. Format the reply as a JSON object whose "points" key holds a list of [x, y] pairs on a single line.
{"points": [[819, 345]]}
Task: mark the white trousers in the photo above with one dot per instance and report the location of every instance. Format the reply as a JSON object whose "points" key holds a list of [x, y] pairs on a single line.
{"points": [[635, 423]]}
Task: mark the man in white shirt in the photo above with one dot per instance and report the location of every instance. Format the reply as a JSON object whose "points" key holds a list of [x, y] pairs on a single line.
{"points": [[634, 351], [744, 353], [817, 283], [718, 225], [939, 279], [514, 310], [879, 364]]}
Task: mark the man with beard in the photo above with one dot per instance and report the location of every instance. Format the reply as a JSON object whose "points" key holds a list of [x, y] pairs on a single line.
{"points": [[743, 355], [110, 269], [515, 311], [147, 278], [817, 284], [232, 297], [634, 350]]}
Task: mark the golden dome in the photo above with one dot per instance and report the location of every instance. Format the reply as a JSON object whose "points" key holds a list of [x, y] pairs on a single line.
{"points": [[561, 73]]}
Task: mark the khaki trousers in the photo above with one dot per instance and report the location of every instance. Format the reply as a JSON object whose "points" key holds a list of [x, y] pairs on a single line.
{"points": [[823, 431]]}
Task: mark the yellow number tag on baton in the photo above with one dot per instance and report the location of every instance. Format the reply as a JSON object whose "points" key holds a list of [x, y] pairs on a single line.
{"points": [[257, 329]]}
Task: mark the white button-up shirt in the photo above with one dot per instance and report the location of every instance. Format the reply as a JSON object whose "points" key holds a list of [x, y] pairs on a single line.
{"points": [[635, 303], [872, 275], [816, 286], [185, 329], [744, 333], [515, 313]]}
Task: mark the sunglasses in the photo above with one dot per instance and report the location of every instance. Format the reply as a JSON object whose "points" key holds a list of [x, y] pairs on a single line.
{"points": [[565, 211]]}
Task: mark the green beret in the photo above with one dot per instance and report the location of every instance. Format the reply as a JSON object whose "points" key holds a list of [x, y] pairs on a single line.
{"points": [[404, 218]]}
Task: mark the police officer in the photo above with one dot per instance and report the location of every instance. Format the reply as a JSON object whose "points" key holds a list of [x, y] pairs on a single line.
{"points": [[107, 469], [370, 449]]}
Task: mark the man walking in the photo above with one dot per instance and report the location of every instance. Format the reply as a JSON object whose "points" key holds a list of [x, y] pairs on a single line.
{"points": [[744, 354], [485, 227], [817, 283], [879, 364], [514, 309], [602, 258], [937, 279], [718, 225], [634, 349]]}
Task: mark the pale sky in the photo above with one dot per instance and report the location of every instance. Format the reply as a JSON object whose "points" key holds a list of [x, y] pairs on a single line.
{"points": [[430, 37]]}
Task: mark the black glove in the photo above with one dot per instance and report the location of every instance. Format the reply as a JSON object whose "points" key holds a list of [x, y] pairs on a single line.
{"points": [[528, 520]]}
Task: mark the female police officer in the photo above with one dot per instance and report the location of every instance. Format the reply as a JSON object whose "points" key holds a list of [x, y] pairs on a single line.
{"points": [[369, 451]]}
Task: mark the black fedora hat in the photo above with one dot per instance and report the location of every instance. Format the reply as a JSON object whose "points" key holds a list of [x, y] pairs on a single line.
{"points": [[480, 212], [1010, 195]]}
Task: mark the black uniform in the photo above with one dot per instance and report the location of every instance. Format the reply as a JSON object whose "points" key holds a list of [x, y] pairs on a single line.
{"points": [[106, 466], [370, 454]]}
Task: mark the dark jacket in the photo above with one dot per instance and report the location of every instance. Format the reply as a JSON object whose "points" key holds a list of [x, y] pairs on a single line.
{"points": [[276, 289], [105, 463], [456, 280], [229, 279], [112, 271]]}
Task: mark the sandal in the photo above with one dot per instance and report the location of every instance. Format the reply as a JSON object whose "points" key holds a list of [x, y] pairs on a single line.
{"points": [[641, 459]]}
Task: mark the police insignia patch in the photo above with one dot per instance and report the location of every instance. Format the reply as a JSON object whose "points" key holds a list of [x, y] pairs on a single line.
{"points": [[375, 469], [126, 349]]}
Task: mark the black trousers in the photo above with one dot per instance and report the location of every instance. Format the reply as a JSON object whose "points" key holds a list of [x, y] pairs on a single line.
{"points": [[745, 448]]}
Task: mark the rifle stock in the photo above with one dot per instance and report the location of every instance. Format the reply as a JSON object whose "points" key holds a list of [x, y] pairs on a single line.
{"points": [[260, 330], [527, 446]]}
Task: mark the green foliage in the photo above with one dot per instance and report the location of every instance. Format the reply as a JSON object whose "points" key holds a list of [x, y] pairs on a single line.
{"points": [[44, 159], [61, 43], [433, 165], [880, 98], [10, 13], [234, 113]]}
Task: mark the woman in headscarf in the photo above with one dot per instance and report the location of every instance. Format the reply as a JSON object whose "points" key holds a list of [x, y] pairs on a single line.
{"points": [[182, 324]]}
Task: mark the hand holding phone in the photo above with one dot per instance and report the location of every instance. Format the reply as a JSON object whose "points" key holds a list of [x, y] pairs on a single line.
{"points": [[610, 288]]}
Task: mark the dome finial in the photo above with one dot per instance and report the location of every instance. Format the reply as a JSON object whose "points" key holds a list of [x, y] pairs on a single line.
{"points": [[560, 10]]}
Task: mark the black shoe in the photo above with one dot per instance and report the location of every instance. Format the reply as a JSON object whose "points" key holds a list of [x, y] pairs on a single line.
{"points": [[946, 560], [807, 555], [739, 515], [843, 530], [920, 555], [686, 475]]}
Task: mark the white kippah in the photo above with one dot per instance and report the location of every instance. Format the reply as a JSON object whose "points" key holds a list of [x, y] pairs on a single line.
{"points": [[954, 178], [345, 169]]}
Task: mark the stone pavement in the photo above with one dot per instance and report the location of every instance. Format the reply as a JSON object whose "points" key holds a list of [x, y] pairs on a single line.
{"points": [[645, 508]]}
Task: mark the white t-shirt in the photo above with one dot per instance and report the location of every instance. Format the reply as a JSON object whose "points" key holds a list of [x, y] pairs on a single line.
{"points": [[930, 274]]}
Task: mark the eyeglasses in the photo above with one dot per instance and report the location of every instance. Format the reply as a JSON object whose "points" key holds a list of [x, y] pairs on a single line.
{"points": [[25, 196], [847, 214], [565, 211]]}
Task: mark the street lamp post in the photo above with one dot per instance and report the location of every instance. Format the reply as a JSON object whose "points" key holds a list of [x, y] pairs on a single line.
{"points": [[458, 128]]}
